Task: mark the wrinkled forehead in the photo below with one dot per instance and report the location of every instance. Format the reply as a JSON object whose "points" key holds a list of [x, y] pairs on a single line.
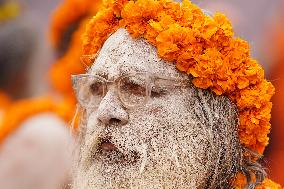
{"points": [[121, 54]]}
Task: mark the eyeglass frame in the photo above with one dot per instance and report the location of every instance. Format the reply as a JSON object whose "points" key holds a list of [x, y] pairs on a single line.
{"points": [[115, 82]]}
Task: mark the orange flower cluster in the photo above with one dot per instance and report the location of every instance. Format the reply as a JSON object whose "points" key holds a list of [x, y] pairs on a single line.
{"points": [[69, 12], [269, 184], [201, 46], [21, 110]]}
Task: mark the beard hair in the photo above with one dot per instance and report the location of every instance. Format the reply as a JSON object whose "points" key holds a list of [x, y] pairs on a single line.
{"points": [[163, 170]]}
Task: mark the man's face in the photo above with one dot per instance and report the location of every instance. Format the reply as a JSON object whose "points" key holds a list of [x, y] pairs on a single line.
{"points": [[169, 142]]}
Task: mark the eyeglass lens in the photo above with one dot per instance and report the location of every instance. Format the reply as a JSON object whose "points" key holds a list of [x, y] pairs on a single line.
{"points": [[132, 90]]}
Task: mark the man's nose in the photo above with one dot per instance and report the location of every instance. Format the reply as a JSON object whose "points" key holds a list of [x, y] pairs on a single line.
{"points": [[110, 110]]}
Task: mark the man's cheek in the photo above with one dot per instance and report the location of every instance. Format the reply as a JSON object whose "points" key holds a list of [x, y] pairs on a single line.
{"points": [[92, 120], [156, 110], [157, 106]]}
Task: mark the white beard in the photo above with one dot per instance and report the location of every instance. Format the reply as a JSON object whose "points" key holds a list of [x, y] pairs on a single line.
{"points": [[164, 165]]}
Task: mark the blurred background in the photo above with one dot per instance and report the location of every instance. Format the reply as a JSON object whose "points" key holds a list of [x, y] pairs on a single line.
{"points": [[27, 54], [34, 15]]}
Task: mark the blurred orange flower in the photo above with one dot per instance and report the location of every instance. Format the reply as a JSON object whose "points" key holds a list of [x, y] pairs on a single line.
{"points": [[21, 110], [4, 100], [68, 13]]}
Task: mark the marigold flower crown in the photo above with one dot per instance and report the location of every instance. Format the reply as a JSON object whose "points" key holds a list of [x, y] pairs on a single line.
{"points": [[200, 46]]}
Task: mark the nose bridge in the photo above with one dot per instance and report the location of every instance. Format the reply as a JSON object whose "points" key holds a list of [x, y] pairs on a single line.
{"points": [[111, 108], [111, 91], [111, 86], [111, 98]]}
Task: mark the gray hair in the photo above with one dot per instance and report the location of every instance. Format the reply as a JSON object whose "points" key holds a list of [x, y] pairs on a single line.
{"points": [[212, 110]]}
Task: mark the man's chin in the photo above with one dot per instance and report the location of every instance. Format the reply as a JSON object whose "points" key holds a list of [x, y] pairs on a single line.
{"points": [[110, 178], [118, 177]]}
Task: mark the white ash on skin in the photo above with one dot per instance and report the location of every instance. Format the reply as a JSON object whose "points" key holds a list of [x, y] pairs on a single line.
{"points": [[182, 138]]}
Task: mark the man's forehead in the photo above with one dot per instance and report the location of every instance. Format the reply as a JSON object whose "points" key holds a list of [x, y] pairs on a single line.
{"points": [[121, 54]]}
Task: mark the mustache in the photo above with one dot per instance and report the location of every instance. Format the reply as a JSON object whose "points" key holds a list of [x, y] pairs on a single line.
{"points": [[127, 148], [100, 143], [88, 142]]}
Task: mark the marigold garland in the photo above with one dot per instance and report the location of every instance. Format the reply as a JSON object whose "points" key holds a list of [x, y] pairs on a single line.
{"points": [[201, 46], [21, 110], [269, 184]]}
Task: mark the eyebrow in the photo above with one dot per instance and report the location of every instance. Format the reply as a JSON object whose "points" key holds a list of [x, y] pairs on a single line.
{"points": [[133, 69], [122, 71]]}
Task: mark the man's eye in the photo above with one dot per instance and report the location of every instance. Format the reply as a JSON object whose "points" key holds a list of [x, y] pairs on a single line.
{"points": [[158, 91], [96, 89], [133, 88]]}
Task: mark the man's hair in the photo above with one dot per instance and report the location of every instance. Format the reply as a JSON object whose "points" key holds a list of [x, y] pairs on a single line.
{"points": [[218, 114]]}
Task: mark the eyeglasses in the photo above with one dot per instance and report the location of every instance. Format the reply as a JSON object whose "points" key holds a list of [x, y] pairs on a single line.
{"points": [[132, 89]]}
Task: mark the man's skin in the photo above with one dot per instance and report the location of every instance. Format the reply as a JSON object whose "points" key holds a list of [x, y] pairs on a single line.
{"points": [[181, 138]]}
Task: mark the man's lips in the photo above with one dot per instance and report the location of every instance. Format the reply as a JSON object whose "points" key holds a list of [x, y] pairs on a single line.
{"points": [[106, 145], [109, 153]]}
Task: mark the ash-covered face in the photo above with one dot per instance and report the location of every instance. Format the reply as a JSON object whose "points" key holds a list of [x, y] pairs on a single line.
{"points": [[181, 138]]}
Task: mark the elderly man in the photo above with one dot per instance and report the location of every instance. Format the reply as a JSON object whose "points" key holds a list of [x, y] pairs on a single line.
{"points": [[144, 123], [151, 127]]}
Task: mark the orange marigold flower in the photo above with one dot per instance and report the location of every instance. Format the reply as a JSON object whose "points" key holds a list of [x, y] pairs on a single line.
{"points": [[255, 96], [224, 24]]}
